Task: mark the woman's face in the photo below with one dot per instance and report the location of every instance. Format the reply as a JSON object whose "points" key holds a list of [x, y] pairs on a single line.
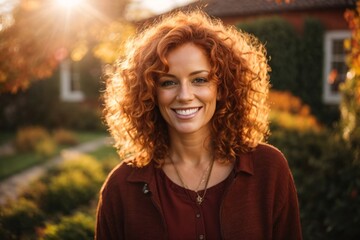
{"points": [[186, 96]]}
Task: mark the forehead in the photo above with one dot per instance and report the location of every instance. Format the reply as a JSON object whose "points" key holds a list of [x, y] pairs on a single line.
{"points": [[187, 54]]}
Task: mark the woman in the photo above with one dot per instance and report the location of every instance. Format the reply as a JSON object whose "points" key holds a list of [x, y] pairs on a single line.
{"points": [[187, 107]]}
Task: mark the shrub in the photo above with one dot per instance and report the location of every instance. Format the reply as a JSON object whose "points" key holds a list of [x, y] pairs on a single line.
{"points": [[19, 219], [65, 137], [276, 33], [75, 116], [288, 111], [83, 163], [28, 138], [69, 186], [45, 148], [35, 191], [41, 104], [310, 77], [327, 182], [299, 68], [350, 113], [76, 227], [74, 183], [67, 191]]}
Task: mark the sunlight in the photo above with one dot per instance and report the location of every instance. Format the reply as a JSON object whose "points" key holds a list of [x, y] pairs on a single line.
{"points": [[68, 3]]}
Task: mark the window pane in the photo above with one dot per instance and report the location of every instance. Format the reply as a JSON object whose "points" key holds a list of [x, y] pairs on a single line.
{"points": [[335, 67], [338, 65], [75, 82], [75, 77], [338, 47], [338, 75]]}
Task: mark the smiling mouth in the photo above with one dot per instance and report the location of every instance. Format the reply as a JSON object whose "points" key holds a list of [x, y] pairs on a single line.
{"points": [[186, 112]]}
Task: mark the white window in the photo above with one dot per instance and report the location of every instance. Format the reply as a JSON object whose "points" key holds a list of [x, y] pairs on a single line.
{"points": [[70, 89], [335, 67]]}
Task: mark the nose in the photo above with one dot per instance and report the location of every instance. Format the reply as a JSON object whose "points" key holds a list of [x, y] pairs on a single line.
{"points": [[185, 93]]}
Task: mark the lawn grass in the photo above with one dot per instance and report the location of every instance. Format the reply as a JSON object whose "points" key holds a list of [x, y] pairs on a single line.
{"points": [[89, 136], [104, 153], [16, 163], [10, 165], [5, 137]]}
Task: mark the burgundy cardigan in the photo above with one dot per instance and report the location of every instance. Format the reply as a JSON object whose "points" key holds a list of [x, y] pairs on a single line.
{"points": [[260, 203]]}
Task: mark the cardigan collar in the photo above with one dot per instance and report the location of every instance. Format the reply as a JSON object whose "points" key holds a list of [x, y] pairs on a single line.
{"points": [[145, 174], [245, 163]]}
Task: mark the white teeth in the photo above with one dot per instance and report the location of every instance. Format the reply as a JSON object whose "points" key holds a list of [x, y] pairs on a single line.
{"points": [[186, 112]]}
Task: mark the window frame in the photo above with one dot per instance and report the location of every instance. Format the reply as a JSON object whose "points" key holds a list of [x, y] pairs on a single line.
{"points": [[67, 94], [329, 97]]}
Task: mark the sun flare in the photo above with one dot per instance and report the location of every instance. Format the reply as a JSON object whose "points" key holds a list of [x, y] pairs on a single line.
{"points": [[68, 3]]}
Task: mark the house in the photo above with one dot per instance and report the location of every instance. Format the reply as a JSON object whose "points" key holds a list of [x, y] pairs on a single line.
{"points": [[71, 70], [71, 95], [329, 12]]}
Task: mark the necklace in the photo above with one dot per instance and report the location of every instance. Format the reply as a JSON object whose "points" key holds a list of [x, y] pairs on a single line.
{"points": [[205, 178]]}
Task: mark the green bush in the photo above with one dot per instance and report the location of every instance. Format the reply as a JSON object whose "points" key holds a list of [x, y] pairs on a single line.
{"points": [[276, 33], [310, 77], [28, 138], [67, 191], [327, 181], [70, 186], [76, 182], [288, 111], [46, 148], [311, 60], [299, 68], [76, 227], [19, 219], [65, 137], [76, 116], [350, 113], [83, 163], [41, 105]]}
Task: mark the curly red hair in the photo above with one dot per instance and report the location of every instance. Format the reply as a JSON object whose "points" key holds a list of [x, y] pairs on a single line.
{"points": [[238, 65]]}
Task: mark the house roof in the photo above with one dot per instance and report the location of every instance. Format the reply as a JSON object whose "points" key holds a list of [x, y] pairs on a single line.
{"points": [[221, 8]]}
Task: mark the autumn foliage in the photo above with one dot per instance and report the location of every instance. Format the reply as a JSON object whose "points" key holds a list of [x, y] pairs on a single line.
{"points": [[350, 105], [44, 33], [353, 44]]}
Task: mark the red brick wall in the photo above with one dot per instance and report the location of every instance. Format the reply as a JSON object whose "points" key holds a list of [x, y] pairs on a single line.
{"points": [[332, 19]]}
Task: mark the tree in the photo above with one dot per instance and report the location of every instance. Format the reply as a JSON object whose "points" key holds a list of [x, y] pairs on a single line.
{"points": [[350, 104], [44, 32]]}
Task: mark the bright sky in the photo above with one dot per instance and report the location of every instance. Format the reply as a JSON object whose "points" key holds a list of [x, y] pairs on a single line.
{"points": [[147, 8], [7, 5], [160, 6], [156, 6]]}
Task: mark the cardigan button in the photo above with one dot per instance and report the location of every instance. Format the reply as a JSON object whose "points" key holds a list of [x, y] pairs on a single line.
{"points": [[201, 237], [146, 189]]}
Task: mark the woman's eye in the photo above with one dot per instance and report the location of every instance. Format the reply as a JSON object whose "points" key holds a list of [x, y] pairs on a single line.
{"points": [[200, 80], [167, 83]]}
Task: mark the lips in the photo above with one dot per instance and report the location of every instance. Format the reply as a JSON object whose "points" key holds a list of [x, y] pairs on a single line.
{"points": [[186, 111]]}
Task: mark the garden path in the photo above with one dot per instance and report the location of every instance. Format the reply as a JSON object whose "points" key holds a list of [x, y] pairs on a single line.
{"points": [[11, 187]]}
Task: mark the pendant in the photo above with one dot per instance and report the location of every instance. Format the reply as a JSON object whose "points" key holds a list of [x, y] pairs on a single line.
{"points": [[199, 200]]}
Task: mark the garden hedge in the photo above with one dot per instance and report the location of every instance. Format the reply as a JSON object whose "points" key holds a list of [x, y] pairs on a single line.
{"points": [[296, 60], [327, 180]]}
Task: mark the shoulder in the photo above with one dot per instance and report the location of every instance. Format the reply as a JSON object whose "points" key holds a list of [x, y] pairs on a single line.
{"points": [[124, 172], [117, 175], [268, 150], [266, 153], [268, 161]]}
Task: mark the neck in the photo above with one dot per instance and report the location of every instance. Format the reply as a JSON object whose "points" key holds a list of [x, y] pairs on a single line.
{"points": [[190, 148]]}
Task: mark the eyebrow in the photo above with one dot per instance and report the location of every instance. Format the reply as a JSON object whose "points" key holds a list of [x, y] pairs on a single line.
{"points": [[191, 74]]}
